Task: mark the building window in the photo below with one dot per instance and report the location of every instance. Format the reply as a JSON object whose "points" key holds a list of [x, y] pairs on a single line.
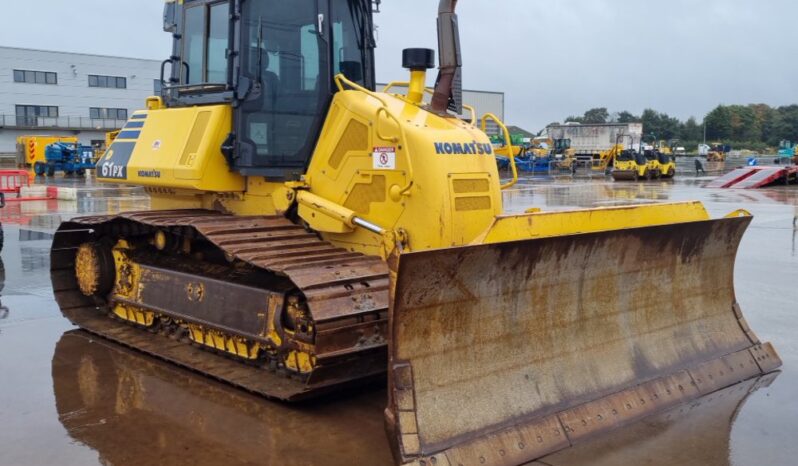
{"points": [[113, 82], [97, 113], [28, 115], [35, 77]]}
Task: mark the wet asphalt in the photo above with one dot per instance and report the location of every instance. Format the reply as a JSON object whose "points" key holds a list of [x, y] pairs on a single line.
{"points": [[67, 398]]}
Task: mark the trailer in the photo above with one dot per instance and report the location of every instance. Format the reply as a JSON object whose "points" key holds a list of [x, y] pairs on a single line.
{"points": [[752, 177], [593, 142]]}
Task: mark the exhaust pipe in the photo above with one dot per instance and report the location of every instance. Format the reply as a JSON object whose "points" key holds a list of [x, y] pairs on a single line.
{"points": [[449, 86]]}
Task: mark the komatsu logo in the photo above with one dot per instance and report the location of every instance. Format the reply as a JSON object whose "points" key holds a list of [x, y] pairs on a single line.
{"points": [[457, 148], [149, 174]]}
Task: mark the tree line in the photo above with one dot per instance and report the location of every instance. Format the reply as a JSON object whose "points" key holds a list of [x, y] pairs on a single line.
{"points": [[754, 127]]}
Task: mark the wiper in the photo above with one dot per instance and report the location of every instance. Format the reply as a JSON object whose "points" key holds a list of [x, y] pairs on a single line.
{"points": [[259, 74], [365, 39]]}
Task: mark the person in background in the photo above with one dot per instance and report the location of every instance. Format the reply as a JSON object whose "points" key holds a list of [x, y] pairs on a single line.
{"points": [[699, 167]]}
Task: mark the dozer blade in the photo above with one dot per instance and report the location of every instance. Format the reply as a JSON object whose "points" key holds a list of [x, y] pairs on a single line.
{"points": [[503, 353]]}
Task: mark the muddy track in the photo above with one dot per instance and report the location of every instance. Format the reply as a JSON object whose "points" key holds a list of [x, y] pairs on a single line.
{"points": [[346, 293]]}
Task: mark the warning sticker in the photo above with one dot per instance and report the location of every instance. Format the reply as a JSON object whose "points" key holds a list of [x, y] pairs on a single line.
{"points": [[384, 158]]}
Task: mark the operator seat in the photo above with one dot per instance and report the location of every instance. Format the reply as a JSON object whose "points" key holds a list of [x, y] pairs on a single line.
{"points": [[260, 113]]}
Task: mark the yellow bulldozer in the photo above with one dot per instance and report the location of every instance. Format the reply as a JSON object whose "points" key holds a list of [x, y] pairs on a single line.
{"points": [[308, 233]]}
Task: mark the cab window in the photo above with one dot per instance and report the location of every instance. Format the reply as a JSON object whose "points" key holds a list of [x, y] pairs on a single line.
{"points": [[350, 32], [206, 43]]}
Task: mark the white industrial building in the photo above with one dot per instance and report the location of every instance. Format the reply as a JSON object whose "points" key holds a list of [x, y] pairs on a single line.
{"points": [[59, 93]]}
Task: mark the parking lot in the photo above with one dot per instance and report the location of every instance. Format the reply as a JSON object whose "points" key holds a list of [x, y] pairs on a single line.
{"points": [[86, 401]]}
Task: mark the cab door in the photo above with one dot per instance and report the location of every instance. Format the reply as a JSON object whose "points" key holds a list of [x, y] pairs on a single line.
{"points": [[286, 86]]}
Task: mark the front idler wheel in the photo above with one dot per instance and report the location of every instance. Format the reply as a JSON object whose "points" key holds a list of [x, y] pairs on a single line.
{"points": [[95, 269]]}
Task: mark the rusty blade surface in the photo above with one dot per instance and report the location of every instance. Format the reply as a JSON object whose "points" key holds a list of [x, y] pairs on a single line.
{"points": [[505, 352]]}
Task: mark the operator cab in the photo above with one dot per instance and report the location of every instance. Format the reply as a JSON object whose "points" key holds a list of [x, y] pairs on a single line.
{"points": [[627, 155], [561, 146], [274, 62]]}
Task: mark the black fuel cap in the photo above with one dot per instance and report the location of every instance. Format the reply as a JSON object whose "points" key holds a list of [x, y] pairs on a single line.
{"points": [[418, 59]]}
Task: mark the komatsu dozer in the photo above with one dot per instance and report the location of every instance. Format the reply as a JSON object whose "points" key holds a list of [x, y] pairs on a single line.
{"points": [[307, 232]]}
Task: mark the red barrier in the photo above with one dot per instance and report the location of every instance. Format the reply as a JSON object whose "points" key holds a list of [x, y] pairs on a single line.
{"points": [[11, 181]]}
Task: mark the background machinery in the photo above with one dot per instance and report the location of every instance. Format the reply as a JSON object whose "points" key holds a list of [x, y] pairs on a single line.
{"points": [[718, 152], [109, 139], [648, 165], [31, 149], [68, 157], [631, 165], [592, 143], [788, 153], [309, 233], [537, 156], [606, 159], [667, 165]]}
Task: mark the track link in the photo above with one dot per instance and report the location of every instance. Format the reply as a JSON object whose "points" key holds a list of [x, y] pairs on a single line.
{"points": [[346, 292]]}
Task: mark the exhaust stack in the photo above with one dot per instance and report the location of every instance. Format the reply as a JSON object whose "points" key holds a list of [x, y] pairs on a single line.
{"points": [[449, 86]]}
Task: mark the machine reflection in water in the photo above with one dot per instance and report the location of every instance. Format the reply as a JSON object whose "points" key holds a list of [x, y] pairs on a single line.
{"points": [[697, 433], [3, 310], [130, 407]]}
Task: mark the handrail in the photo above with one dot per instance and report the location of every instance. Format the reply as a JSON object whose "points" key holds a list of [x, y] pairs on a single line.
{"points": [[509, 146], [430, 91], [69, 122], [340, 81], [393, 84], [473, 112]]}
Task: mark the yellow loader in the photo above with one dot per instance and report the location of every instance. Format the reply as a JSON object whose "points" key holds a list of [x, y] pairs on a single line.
{"points": [[309, 233]]}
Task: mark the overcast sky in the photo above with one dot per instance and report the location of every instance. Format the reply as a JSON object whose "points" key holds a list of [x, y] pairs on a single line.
{"points": [[552, 58]]}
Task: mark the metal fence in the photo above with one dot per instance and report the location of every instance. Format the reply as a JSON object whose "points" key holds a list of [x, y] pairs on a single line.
{"points": [[590, 168], [64, 122]]}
